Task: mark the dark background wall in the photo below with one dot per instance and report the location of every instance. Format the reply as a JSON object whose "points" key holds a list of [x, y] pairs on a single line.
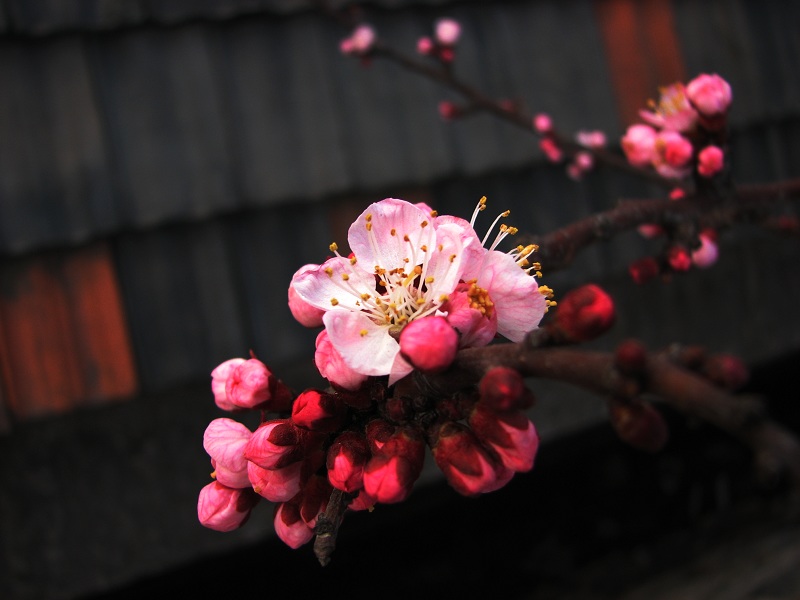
{"points": [[166, 166]]}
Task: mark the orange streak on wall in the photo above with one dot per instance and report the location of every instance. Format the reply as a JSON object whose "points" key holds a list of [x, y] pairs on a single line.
{"points": [[63, 337]]}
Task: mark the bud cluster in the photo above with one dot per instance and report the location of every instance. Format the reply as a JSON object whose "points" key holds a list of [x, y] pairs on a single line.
{"points": [[441, 45]]}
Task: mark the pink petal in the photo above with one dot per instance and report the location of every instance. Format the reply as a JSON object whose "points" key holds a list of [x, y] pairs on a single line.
{"points": [[224, 440], [318, 287], [367, 348]]}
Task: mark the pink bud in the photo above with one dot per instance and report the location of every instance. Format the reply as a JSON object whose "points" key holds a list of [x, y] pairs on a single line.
{"points": [[650, 230], [306, 315], [574, 172], [430, 344], [543, 123], [708, 252], [591, 139], [674, 149], [551, 149], [362, 502], [584, 160], [249, 384], [225, 440], [502, 389], [727, 371], [224, 509], [219, 378], [347, 457], [466, 464], [584, 314], [510, 434], [679, 258], [276, 485], [378, 432], [314, 499], [677, 193], [638, 144], [391, 473], [318, 411], [711, 95], [447, 32], [290, 527], [332, 367], [425, 46], [710, 161], [275, 444], [638, 424]]}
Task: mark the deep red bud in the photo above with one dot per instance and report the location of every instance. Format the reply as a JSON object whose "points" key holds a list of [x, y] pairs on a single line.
{"points": [[727, 371], [347, 457], [679, 258], [639, 424], [378, 432], [276, 444], [631, 357], [584, 313], [391, 473], [644, 270], [511, 435], [315, 496], [503, 388], [318, 411]]}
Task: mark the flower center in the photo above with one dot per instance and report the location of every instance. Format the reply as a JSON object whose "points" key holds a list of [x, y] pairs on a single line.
{"points": [[479, 300]]}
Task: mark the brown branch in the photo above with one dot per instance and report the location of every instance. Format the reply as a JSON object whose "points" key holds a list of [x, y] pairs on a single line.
{"points": [[741, 416], [327, 528]]}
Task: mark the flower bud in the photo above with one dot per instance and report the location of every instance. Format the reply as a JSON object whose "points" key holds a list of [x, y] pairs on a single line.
{"points": [[674, 149], [347, 457], [551, 149], [708, 252], [447, 32], [679, 258], [510, 434], [503, 388], [224, 509], [276, 485], [710, 161], [225, 440], [631, 357], [360, 42], [476, 328], [219, 378], [727, 371], [332, 367], [275, 444], [430, 344], [362, 502], [644, 269], [542, 123], [639, 424], [638, 143], [466, 464], [711, 95], [378, 432], [391, 473], [318, 411], [249, 384], [584, 313], [449, 110], [425, 46], [290, 527]]}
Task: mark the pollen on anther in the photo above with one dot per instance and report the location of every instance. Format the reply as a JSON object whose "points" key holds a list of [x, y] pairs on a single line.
{"points": [[333, 247], [329, 272], [423, 224], [424, 248], [393, 231], [353, 260], [365, 297], [434, 214], [452, 257], [444, 298], [345, 276], [363, 332], [429, 280], [334, 301], [405, 238], [369, 226]]}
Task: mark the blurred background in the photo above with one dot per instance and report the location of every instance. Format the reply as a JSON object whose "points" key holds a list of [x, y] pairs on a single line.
{"points": [[165, 167]]}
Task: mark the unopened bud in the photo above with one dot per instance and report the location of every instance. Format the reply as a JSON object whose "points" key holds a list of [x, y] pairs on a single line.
{"points": [[447, 32], [224, 509], [679, 258], [639, 424], [276, 444], [631, 357], [727, 371], [644, 269], [289, 525], [318, 411], [584, 314], [510, 434], [503, 388], [347, 457], [430, 344]]}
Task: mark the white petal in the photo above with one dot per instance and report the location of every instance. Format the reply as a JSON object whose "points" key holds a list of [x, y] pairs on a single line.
{"points": [[320, 288], [367, 348]]}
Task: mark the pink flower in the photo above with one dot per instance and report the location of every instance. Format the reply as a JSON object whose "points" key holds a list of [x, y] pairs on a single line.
{"points": [[224, 509], [673, 111], [710, 161], [276, 444], [591, 139], [276, 485], [306, 315], [332, 366], [466, 464], [219, 379], [711, 95], [510, 434], [318, 411], [551, 149], [638, 143], [447, 32], [225, 440], [347, 457], [429, 344], [290, 527], [248, 384]]}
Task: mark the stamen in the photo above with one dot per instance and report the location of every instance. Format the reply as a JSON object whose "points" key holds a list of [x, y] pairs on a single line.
{"points": [[481, 206], [334, 301], [363, 332]]}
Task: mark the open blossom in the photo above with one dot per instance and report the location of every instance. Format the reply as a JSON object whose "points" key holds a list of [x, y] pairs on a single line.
{"points": [[673, 112], [638, 143], [360, 42], [447, 32], [406, 264]]}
